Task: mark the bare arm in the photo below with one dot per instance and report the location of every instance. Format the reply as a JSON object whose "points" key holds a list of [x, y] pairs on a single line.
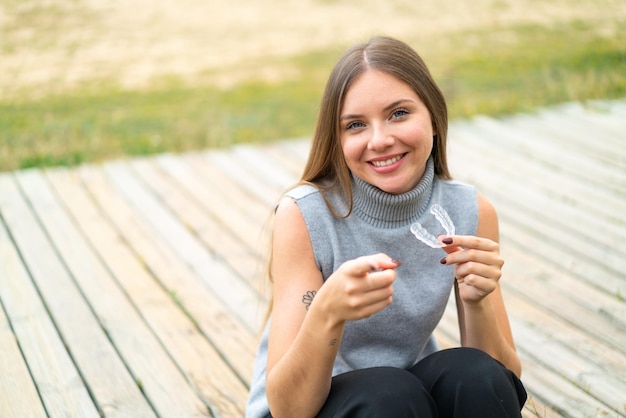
{"points": [[483, 320], [305, 338]]}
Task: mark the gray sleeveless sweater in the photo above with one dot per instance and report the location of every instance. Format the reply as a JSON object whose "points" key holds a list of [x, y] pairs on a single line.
{"points": [[401, 334]]}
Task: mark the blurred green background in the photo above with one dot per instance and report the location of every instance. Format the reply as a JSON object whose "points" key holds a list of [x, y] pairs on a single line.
{"points": [[497, 66]]}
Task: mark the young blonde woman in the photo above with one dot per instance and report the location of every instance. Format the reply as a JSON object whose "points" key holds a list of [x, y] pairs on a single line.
{"points": [[366, 250]]}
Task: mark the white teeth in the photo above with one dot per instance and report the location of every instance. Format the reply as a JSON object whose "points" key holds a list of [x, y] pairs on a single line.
{"points": [[386, 162]]}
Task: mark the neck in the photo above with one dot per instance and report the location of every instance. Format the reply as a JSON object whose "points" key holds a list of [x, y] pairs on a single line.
{"points": [[380, 208]]}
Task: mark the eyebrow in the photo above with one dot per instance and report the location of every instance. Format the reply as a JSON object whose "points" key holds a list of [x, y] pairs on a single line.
{"points": [[385, 109]]}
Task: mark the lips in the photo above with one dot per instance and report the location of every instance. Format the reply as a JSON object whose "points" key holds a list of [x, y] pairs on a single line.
{"points": [[386, 162]]}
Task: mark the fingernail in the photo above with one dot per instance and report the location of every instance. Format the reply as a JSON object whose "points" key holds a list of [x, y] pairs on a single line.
{"points": [[443, 260], [398, 263], [447, 240]]}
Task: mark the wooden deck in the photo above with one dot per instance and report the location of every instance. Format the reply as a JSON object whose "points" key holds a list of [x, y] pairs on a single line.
{"points": [[134, 289]]}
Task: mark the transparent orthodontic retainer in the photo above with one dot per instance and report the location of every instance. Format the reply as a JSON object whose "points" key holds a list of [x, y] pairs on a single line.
{"points": [[426, 237]]}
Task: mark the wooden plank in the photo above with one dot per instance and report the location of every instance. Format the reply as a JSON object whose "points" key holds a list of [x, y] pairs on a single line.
{"points": [[255, 159], [200, 363], [15, 374], [558, 244], [299, 149], [535, 408], [237, 220], [563, 398], [589, 158], [551, 211], [59, 383], [604, 114], [554, 249], [583, 140], [552, 289], [214, 272], [553, 374], [244, 176], [234, 341], [592, 390], [606, 363], [578, 171], [528, 186], [287, 160], [18, 293], [589, 133], [616, 108], [231, 193], [112, 385], [227, 231], [549, 176]]}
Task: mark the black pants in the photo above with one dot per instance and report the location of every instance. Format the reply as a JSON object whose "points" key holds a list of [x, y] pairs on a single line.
{"points": [[454, 383]]}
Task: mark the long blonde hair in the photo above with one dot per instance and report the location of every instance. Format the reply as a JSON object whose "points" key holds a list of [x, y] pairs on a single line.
{"points": [[326, 164]]}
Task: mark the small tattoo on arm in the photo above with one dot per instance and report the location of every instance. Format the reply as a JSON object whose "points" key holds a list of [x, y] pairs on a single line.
{"points": [[307, 298], [333, 341]]}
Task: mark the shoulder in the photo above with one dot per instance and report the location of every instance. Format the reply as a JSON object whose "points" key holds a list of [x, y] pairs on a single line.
{"points": [[293, 207], [485, 207], [288, 219], [291, 231], [302, 191], [317, 203], [487, 218]]}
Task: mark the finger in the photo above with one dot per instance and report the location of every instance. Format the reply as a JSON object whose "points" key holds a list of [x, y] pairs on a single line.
{"points": [[372, 300], [493, 259], [468, 248], [448, 246], [380, 279], [480, 283], [372, 263], [368, 310], [359, 267], [479, 269], [383, 261], [468, 241]]}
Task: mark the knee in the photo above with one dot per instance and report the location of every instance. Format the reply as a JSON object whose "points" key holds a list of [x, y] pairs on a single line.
{"points": [[468, 375], [394, 385], [474, 364], [388, 391], [470, 366]]}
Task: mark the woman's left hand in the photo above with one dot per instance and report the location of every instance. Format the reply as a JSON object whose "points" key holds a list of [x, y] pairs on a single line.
{"points": [[477, 265]]}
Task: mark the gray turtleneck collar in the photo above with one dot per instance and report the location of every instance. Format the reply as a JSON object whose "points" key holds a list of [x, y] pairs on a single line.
{"points": [[382, 209]]}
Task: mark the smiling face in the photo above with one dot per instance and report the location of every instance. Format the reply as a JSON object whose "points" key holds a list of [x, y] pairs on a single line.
{"points": [[386, 132]]}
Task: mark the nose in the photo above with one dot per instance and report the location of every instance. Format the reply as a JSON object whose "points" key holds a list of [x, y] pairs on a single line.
{"points": [[380, 139]]}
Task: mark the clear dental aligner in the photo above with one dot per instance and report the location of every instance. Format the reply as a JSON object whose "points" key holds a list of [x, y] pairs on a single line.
{"points": [[426, 237]]}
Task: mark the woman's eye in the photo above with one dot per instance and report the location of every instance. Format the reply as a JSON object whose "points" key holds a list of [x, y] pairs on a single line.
{"points": [[354, 125], [399, 113]]}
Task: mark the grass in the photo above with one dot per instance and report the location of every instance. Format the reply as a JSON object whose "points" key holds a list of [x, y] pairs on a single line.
{"points": [[489, 72], [529, 67]]}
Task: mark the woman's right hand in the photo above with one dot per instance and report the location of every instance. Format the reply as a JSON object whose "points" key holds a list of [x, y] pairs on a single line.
{"points": [[359, 288]]}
